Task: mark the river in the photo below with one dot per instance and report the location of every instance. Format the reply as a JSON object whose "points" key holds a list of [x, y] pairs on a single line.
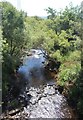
{"points": [[44, 99], [40, 95], [33, 69]]}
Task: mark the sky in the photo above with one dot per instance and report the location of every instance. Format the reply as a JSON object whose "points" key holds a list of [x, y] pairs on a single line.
{"points": [[37, 7]]}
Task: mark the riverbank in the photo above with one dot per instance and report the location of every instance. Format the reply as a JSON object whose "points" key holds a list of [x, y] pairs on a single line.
{"points": [[40, 97]]}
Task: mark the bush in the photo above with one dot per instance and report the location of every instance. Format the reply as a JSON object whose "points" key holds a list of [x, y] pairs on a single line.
{"points": [[57, 55], [69, 71]]}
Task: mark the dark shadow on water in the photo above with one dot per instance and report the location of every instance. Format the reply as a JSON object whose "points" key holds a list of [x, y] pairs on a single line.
{"points": [[32, 71]]}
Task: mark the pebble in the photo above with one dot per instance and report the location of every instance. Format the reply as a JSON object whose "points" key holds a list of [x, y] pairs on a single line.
{"points": [[44, 102]]}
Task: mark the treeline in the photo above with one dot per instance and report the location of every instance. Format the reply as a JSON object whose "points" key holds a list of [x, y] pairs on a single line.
{"points": [[59, 35]]}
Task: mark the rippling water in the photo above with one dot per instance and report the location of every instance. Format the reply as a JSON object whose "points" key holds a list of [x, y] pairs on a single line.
{"points": [[33, 68], [46, 101]]}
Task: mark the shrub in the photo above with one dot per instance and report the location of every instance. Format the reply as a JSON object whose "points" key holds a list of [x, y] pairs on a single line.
{"points": [[68, 71]]}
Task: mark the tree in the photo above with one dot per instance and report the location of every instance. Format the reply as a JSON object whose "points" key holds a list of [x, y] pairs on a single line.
{"points": [[51, 13], [13, 44], [13, 28]]}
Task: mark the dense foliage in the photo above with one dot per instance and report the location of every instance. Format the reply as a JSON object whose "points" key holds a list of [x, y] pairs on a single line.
{"points": [[13, 43], [59, 35]]}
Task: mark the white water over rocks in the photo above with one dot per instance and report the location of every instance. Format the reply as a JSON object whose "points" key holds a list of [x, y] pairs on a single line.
{"points": [[43, 100]]}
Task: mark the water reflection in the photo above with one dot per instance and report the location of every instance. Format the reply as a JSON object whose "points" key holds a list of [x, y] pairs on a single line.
{"points": [[46, 101], [33, 70]]}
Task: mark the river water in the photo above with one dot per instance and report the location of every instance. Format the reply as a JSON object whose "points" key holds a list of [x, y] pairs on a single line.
{"points": [[33, 70], [43, 99]]}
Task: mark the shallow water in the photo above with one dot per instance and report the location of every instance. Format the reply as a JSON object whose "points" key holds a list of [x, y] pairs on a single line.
{"points": [[33, 69], [45, 101]]}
